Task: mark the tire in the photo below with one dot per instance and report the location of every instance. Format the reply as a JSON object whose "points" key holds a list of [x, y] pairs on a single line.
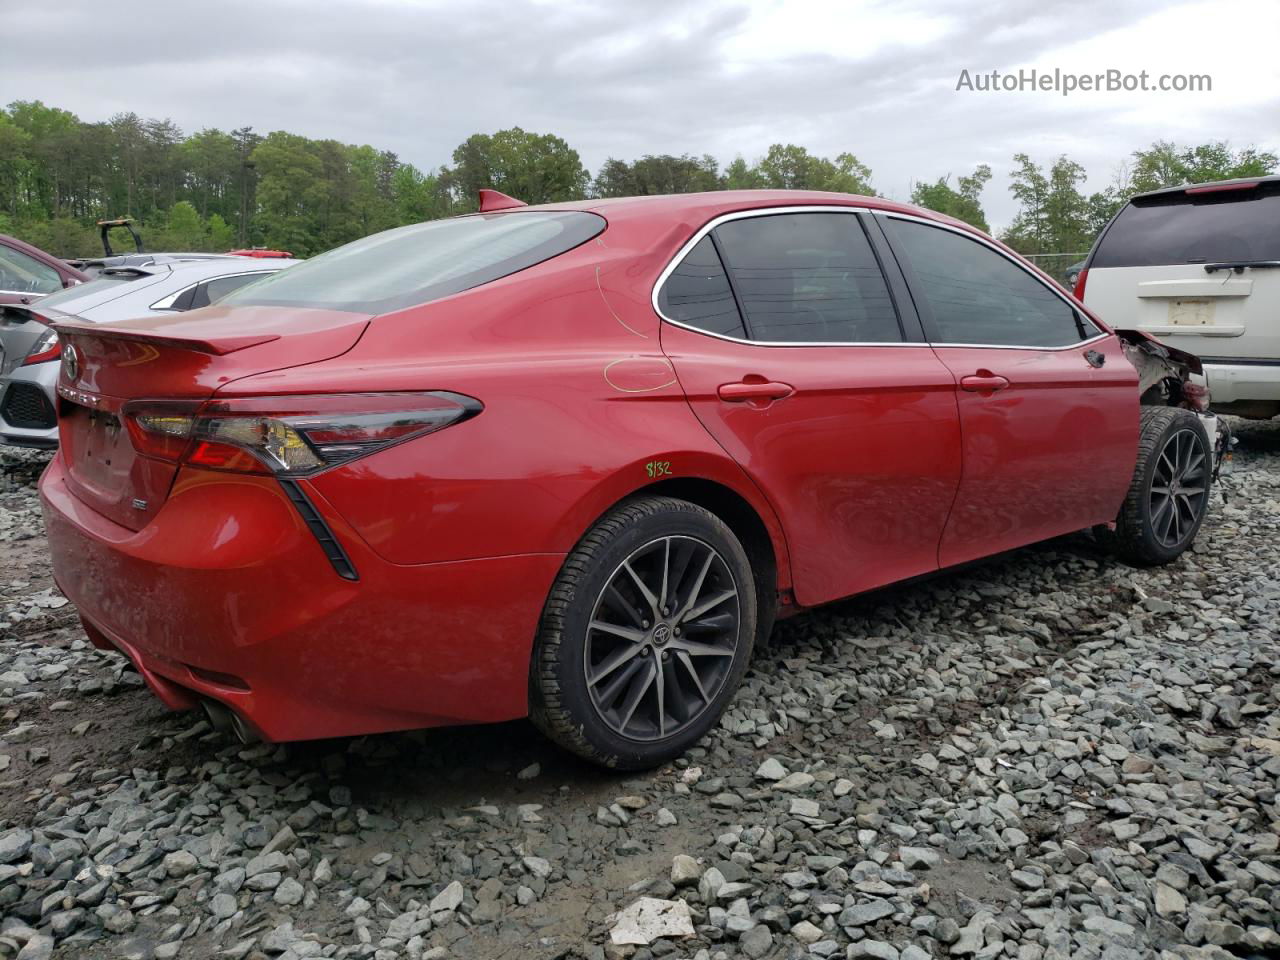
{"points": [[598, 585], [1154, 527]]}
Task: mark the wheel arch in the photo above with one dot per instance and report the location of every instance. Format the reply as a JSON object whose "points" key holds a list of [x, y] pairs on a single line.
{"points": [[725, 491]]}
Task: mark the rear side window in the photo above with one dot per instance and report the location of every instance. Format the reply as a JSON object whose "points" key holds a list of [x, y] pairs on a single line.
{"points": [[697, 293], [808, 278], [426, 261], [211, 291], [974, 295], [1230, 225]]}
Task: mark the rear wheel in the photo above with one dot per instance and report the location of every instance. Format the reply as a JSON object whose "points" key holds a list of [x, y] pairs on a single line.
{"points": [[646, 635], [1169, 494]]}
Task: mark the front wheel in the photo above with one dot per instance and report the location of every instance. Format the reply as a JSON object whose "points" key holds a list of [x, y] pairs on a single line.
{"points": [[1169, 494], [646, 635]]}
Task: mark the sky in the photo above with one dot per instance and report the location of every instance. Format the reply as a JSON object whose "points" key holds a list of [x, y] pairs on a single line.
{"points": [[724, 77]]}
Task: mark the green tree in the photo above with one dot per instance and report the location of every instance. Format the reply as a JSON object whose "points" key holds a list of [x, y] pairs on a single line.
{"points": [[962, 201], [657, 174], [1053, 215], [220, 234], [533, 167], [740, 175], [791, 167], [291, 195], [185, 230], [1165, 164]]}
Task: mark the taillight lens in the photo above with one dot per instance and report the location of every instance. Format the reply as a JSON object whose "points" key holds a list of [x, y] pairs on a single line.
{"points": [[47, 347], [289, 436], [1197, 395], [1080, 280]]}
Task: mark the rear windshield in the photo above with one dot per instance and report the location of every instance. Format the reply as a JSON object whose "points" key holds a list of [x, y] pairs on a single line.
{"points": [[411, 265], [1176, 228], [87, 289]]}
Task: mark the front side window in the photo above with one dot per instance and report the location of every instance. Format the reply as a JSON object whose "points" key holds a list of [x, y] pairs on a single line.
{"points": [[977, 296], [808, 278], [411, 265], [20, 273]]}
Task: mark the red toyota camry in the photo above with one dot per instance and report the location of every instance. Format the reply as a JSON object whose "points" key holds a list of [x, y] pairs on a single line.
{"points": [[572, 461]]}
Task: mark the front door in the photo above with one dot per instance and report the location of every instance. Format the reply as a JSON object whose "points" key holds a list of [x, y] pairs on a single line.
{"points": [[1048, 403], [792, 353]]}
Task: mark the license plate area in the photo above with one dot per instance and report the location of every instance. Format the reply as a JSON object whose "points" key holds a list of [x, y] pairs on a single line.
{"points": [[103, 469], [100, 455], [1192, 312]]}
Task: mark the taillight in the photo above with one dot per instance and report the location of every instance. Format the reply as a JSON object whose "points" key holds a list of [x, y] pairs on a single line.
{"points": [[1081, 277], [289, 436], [1196, 395], [47, 346]]}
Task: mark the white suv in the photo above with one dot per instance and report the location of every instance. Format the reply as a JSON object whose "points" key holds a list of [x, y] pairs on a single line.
{"points": [[1199, 267]]}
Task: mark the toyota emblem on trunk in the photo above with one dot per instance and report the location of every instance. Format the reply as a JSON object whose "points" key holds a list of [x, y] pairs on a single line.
{"points": [[70, 363]]}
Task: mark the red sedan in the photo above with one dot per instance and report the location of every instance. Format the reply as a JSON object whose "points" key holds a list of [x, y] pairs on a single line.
{"points": [[572, 461]]}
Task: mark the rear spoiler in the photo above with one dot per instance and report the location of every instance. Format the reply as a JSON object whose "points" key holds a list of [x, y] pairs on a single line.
{"points": [[1147, 342], [216, 346]]}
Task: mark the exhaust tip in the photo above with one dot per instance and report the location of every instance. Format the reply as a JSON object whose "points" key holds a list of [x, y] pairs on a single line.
{"points": [[219, 716], [226, 720], [244, 733]]}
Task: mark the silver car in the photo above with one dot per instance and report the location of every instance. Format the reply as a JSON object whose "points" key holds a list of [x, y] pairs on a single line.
{"points": [[29, 348]]}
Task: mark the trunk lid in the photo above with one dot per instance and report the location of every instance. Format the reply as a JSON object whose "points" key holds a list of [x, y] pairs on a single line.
{"points": [[172, 358]]}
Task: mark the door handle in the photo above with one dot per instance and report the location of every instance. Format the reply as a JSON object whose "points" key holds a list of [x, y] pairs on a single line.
{"points": [[984, 381], [762, 390]]}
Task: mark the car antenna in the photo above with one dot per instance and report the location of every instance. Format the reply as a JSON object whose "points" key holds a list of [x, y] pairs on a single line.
{"points": [[491, 200]]}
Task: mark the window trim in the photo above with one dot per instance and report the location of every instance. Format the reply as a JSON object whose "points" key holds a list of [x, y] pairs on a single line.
{"points": [[168, 300], [710, 225], [913, 284]]}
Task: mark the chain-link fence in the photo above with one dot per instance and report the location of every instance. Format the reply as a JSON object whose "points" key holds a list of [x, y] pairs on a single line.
{"points": [[1058, 265]]}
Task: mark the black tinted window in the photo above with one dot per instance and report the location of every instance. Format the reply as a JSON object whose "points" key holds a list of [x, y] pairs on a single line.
{"points": [[211, 291], [697, 293], [808, 277], [1200, 228], [978, 296], [411, 265]]}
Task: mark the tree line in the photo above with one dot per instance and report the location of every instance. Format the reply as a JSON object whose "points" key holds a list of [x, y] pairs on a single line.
{"points": [[216, 189]]}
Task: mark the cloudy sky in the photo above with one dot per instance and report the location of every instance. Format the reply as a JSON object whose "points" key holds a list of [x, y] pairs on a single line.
{"points": [[725, 77]]}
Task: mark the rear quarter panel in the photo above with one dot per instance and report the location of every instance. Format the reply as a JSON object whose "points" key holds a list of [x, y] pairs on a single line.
{"points": [[581, 409]]}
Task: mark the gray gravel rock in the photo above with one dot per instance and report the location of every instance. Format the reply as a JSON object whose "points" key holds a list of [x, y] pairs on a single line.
{"points": [[1047, 757]]}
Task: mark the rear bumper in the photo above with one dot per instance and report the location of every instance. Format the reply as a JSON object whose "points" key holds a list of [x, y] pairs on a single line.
{"points": [[28, 406], [226, 595], [1234, 381]]}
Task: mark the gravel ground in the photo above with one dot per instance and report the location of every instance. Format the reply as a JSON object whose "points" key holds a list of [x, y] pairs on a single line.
{"points": [[1048, 756]]}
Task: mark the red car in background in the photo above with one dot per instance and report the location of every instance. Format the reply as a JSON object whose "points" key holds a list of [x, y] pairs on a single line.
{"points": [[571, 461], [28, 273]]}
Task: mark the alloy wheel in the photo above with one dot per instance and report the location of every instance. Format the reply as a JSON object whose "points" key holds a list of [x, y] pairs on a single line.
{"points": [[1179, 488], [662, 638]]}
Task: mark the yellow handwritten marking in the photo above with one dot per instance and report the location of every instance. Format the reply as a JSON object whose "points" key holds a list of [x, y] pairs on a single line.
{"points": [[610, 309], [660, 386]]}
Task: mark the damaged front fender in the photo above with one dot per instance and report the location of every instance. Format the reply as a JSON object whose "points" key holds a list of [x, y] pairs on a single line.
{"points": [[1164, 367]]}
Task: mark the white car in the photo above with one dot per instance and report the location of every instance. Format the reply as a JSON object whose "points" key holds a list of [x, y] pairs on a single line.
{"points": [[29, 347], [1199, 268]]}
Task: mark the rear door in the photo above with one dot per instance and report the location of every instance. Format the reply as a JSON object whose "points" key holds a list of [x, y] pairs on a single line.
{"points": [[797, 356], [1048, 403], [1199, 268]]}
